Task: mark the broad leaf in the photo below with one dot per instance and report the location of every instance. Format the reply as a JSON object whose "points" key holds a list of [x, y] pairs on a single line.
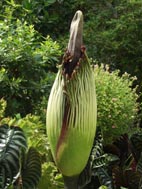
{"points": [[31, 170], [12, 142], [136, 145]]}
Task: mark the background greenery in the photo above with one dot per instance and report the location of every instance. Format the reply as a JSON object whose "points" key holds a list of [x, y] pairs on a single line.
{"points": [[33, 36], [26, 62], [116, 101]]}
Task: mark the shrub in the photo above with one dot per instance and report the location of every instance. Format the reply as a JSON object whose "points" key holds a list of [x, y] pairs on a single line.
{"points": [[24, 62], [117, 102]]}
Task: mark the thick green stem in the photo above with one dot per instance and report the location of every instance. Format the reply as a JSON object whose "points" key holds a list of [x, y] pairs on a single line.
{"points": [[71, 182]]}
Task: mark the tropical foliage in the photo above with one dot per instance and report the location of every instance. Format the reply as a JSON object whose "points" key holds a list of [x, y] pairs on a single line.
{"points": [[117, 165], [33, 35], [34, 127], [17, 166], [117, 102], [25, 61]]}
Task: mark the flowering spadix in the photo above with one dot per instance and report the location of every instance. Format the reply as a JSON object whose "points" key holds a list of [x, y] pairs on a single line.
{"points": [[71, 111]]}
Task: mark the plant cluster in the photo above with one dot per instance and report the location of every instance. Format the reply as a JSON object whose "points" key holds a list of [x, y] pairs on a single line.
{"points": [[109, 85], [27, 70], [117, 165], [18, 166], [112, 30], [116, 101], [25, 61]]}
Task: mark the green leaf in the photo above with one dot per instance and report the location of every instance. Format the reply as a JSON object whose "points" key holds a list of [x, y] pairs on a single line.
{"points": [[104, 177], [139, 164], [31, 170], [12, 142], [136, 145]]}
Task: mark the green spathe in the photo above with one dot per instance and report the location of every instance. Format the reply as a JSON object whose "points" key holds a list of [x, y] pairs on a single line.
{"points": [[71, 111], [71, 118]]}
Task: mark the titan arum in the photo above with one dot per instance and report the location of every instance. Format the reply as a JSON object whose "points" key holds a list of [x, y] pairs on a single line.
{"points": [[71, 111]]}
